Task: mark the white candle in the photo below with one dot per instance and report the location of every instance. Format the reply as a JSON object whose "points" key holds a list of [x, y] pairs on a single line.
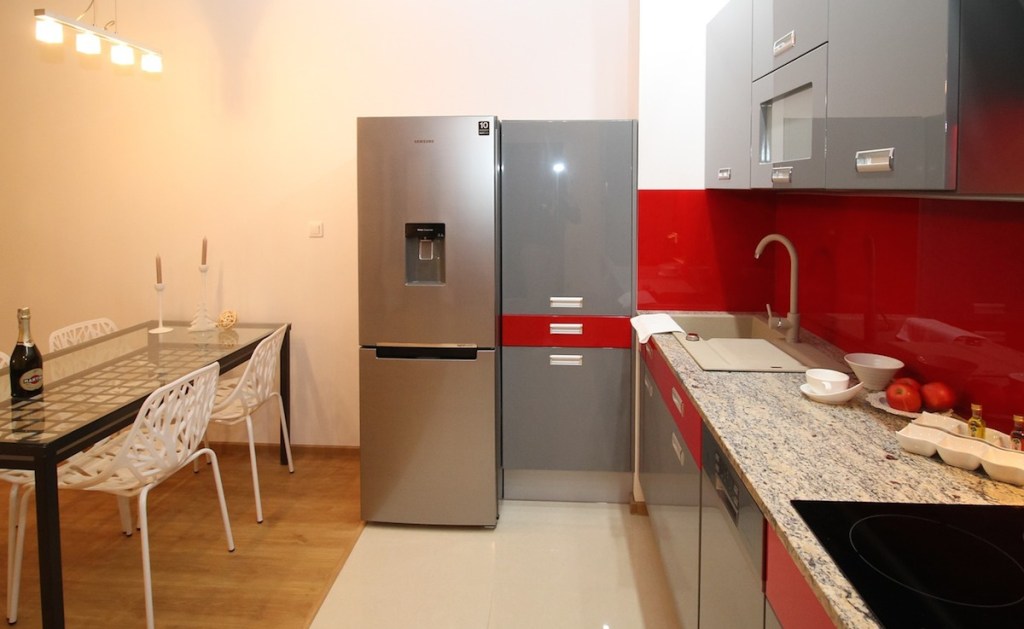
{"points": [[159, 271], [204, 251]]}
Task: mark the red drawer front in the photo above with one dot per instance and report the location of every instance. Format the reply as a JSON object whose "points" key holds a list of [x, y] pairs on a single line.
{"points": [[788, 591], [565, 331], [675, 397]]}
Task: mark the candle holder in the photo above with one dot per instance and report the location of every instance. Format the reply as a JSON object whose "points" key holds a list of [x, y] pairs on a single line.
{"points": [[202, 321], [160, 327]]}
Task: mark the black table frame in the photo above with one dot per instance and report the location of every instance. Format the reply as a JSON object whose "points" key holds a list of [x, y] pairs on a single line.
{"points": [[43, 458]]}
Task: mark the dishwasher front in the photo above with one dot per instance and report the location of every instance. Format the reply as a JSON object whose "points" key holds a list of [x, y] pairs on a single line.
{"points": [[731, 546]]}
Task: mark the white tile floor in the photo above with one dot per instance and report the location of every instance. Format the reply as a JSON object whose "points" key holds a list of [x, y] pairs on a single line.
{"points": [[546, 565]]}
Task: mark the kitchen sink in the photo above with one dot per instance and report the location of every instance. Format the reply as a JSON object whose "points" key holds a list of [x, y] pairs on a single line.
{"points": [[745, 342]]}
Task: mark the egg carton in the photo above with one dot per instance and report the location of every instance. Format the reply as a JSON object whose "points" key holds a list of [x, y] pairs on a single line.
{"points": [[950, 438]]}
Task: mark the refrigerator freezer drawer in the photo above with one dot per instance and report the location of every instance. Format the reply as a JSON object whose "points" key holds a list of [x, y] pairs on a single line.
{"points": [[428, 434]]}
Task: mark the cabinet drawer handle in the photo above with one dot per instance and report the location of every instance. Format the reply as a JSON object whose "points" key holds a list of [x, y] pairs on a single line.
{"points": [[875, 161], [566, 302], [724, 174], [566, 328], [782, 174], [678, 450], [565, 360], [784, 43], [677, 400]]}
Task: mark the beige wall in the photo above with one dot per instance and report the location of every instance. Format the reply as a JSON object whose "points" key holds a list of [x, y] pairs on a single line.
{"points": [[247, 136]]}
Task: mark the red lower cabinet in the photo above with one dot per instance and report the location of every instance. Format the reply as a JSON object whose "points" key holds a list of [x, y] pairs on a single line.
{"points": [[787, 590]]}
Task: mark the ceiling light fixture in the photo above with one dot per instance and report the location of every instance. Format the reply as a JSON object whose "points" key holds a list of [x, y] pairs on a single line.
{"points": [[88, 39]]}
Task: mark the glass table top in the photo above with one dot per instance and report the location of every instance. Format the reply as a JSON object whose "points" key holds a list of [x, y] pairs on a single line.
{"points": [[88, 381]]}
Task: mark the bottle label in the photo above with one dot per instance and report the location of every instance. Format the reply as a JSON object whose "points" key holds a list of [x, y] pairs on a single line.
{"points": [[32, 380]]}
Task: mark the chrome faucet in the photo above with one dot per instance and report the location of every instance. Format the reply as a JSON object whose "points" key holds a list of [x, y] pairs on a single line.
{"points": [[792, 321]]}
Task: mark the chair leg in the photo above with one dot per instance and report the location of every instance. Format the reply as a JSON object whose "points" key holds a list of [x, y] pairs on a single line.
{"points": [[147, 576], [284, 433], [124, 508], [211, 456], [255, 473], [14, 585]]}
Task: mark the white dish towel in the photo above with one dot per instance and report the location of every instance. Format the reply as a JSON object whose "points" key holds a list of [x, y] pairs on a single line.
{"points": [[648, 324]]}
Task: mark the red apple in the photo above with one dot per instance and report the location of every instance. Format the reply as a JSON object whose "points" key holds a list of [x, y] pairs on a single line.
{"points": [[903, 397], [938, 396], [907, 380]]}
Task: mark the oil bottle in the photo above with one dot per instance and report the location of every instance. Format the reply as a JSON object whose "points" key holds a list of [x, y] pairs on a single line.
{"points": [[1017, 434], [976, 425]]}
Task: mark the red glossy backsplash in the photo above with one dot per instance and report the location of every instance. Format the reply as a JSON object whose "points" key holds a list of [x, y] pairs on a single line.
{"points": [[936, 283]]}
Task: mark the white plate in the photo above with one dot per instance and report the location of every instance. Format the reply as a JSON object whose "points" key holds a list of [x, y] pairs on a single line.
{"points": [[838, 397], [877, 399]]}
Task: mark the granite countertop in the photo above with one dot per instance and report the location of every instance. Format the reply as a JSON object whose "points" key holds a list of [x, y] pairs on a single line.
{"points": [[788, 447]]}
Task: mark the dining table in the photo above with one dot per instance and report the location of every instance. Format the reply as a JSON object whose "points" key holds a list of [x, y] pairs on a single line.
{"points": [[95, 389]]}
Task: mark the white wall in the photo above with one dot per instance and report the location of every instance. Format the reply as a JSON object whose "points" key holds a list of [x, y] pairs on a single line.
{"points": [[672, 66], [247, 136]]}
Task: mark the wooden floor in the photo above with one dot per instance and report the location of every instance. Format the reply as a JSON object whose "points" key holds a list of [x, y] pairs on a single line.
{"points": [[277, 577]]}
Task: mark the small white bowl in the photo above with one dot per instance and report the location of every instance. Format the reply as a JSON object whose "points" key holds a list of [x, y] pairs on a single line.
{"points": [[919, 439], [961, 452], [874, 370], [839, 397], [1006, 466]]}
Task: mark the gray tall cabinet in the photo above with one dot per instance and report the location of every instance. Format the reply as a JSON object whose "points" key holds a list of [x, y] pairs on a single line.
{"points": [[568, 266]]}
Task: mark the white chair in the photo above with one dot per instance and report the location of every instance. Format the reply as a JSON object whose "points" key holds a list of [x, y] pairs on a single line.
{"points": [[166, 436], [238, 399], [80, 332], [4, 360]]}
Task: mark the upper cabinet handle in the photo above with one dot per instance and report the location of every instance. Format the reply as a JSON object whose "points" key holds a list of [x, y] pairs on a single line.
{"points": [[784, 43], [875, 161]]}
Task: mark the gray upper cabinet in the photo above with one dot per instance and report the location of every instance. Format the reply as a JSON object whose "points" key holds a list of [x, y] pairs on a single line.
{"points": [[889, 65], [727, 98], [568, 202], [916, 95], [784, 30], [926, 95]]}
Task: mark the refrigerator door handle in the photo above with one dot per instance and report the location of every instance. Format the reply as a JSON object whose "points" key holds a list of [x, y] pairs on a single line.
{"points": [[451, 351]]}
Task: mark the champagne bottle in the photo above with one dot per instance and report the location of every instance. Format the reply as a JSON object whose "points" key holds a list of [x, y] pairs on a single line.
{"points": [[26, 362]]}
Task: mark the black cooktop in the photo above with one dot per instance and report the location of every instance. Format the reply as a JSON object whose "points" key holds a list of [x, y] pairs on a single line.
{"points": [[927, 565]]}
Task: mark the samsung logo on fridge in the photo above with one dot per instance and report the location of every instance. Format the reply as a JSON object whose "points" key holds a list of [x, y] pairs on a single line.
{"points": [[422, 141]]}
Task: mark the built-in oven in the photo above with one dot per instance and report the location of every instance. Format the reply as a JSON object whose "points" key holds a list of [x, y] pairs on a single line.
{"points": [[731, 546], [927, 565], [788, 124]]}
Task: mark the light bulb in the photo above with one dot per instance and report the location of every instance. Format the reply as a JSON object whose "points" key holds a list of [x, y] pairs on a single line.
{"points": [[49, 32], [152, 62], [87, 43], [122, 55]]}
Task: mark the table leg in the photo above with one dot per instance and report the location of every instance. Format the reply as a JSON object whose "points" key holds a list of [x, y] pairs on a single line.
{"points": [[51, 581], [286, 388]]}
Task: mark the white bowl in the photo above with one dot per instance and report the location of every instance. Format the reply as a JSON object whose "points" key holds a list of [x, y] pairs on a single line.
{"points": [[874, 370], [1006, 466], [839, 397], [919, 439], [961, 452]]}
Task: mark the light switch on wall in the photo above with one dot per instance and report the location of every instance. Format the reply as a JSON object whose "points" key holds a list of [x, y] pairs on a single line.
{"points": [[316, 229]]}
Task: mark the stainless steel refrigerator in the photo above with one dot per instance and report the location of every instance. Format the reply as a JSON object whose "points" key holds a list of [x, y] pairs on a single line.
{"points": [[429, 197]]}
